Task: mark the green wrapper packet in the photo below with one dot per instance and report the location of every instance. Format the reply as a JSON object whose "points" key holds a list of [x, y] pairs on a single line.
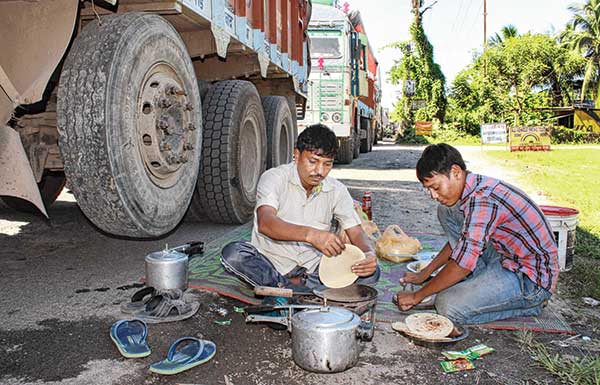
{"points": [[471, 353], [457, 365]]}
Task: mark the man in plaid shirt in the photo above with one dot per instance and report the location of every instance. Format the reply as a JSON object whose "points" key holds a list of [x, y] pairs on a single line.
{"points": [[501, 259]]}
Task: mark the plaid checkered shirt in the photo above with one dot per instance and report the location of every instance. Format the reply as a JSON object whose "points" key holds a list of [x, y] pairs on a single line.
{"points": [[498, 212]]}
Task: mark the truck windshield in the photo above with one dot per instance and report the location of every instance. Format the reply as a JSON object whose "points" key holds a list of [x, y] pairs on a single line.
{"points": [[327, 47]]}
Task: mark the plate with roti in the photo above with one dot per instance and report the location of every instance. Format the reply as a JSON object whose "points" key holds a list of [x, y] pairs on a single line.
{"points": [[430, 329], [336, 271]]}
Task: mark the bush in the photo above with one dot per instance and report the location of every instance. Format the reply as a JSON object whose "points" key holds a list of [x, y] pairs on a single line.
{"points": [[444, 134], [564, 135]]}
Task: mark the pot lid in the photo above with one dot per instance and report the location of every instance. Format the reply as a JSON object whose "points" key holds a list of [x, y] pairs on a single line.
{"points": [[327, 316], [165, 256]]}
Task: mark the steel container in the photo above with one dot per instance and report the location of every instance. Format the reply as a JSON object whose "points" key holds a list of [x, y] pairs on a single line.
{"points": [[167, 270], [326, 340]]}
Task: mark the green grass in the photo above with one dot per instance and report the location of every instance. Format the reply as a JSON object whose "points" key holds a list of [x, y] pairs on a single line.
{"points": [[568, 177], [569, 369]]}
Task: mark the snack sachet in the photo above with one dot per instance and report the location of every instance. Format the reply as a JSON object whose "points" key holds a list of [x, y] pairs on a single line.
{"points": [[457, 365], [471, 353]]}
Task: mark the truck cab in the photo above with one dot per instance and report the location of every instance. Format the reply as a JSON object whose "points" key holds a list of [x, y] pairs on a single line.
{"points": [[339, 92]]}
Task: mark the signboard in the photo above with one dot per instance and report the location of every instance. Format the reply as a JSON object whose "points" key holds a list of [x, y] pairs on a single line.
{"points": [[409, 88], [423, 128], [493, 133], [586, 121], [529, 139], [417, 104]]}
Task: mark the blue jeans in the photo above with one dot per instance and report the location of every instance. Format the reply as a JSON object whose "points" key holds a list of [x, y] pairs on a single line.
{"points": [[247, 263], [490, 292]]}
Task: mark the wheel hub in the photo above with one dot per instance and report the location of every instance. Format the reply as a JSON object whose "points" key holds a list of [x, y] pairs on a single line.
{"points": [[165, 125]]}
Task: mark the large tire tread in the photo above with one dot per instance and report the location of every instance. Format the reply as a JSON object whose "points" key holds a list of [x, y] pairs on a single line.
{"points": [[216, 191], [82, 99]]}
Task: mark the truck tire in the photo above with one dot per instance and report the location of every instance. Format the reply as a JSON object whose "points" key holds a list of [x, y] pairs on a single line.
{"points": [[234, 153], [345, 151], [50, 187], [366, 143], [130, 122], [280, 130]]}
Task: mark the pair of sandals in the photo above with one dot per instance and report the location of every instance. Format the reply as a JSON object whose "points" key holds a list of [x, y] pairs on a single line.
{"points": [[130, 338], [156, 306]]}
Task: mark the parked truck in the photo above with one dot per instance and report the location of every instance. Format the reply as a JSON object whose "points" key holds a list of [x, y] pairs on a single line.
{"points": [[343, 91], [148, 110]]}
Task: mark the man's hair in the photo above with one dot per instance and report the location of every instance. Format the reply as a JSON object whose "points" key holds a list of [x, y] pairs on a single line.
{"points": [[438, 159], [318, 138]]}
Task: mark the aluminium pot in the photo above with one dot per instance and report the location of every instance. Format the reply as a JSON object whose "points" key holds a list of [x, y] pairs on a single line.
{"points": [[327, 339], [167, 270]]}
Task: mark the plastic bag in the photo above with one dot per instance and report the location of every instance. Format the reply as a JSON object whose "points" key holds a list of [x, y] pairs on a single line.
{"points": [[394, 245]]}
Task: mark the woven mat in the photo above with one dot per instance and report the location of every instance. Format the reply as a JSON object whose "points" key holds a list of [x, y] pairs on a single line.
{"points": [[207, 273]]}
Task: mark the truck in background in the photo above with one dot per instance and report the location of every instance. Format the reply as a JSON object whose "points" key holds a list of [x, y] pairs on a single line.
{"points": [[148, 110], [343, 91]]}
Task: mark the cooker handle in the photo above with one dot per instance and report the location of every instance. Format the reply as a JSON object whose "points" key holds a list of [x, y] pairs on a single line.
{"points": [[365, 331]]}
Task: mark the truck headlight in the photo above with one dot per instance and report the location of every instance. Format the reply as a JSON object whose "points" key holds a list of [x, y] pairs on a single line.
{"points": [[324, 116], [336, 117]]}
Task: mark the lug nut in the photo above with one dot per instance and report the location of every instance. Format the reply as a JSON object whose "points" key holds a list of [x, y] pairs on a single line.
{"points": [[165, 147], [189, 107], [188, 146], [164, 102], [191, 126]]}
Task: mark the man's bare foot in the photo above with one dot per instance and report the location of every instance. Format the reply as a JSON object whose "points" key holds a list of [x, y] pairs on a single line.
{"points": [[296, 280]]}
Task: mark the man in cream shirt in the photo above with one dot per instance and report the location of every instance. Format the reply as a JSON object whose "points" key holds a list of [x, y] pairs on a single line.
{"points": [[296, 206]]}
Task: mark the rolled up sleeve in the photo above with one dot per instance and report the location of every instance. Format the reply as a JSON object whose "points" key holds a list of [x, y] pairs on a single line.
{"points": [[344, 209], [267, 191]]}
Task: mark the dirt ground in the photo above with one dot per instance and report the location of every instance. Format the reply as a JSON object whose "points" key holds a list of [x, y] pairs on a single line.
{"points": [[62, 283]]}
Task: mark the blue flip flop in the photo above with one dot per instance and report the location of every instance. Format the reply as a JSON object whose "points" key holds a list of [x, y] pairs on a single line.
{"points": [[196, 352], [130, 338]]}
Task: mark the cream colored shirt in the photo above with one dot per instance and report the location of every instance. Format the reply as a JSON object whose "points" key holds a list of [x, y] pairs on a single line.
{"points": [[281, 189]]}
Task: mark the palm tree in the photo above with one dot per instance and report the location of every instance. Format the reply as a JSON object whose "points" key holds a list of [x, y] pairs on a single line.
{"points": [[583, 34], [506, 33]]}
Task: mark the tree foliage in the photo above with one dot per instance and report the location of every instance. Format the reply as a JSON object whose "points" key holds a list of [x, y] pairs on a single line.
{"points": [[583, 35], [508, 83], [417, 64]]}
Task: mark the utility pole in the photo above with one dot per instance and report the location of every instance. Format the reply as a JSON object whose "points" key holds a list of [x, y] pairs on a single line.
{"points": [[484, 37]]}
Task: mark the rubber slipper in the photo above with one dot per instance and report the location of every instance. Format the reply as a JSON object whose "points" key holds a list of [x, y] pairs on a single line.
{"points": [[195, 353], [168, 307], [138, 300], [130, 338]]}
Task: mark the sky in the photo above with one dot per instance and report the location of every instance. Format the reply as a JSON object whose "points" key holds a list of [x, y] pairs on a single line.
{"points": [[454, 28]]}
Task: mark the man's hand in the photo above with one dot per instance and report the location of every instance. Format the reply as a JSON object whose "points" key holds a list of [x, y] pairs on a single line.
{"points": [[415, 278], [326, 242], [366, 267], [406, 300]]}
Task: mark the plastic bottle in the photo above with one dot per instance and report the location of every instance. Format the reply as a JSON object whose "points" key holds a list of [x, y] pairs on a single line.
{"points": [[367, 205]]}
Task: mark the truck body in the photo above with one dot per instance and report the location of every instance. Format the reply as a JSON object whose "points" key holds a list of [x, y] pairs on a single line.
{"points": [[343, 90], [148, 111]]}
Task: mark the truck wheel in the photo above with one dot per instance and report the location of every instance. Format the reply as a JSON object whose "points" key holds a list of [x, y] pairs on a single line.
{"points": [[280, 130], [130, 122], [345, 151], [50, 187], [366, 143], [234, 152]]}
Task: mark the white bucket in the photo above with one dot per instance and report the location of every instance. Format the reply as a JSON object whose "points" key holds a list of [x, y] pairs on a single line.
{"points": [[563, 222]]}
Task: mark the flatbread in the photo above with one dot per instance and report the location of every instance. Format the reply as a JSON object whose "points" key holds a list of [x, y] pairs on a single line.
{"points": [[429, 325], [336, 272], [402, 328]]}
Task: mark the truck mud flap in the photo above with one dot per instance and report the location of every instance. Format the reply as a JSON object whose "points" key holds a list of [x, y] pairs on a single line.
{"points": [[16, 176]]}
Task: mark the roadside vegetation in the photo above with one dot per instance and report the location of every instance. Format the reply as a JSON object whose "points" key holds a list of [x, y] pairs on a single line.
{"points": [[569, 369], [516, 80], [568, 177]]}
